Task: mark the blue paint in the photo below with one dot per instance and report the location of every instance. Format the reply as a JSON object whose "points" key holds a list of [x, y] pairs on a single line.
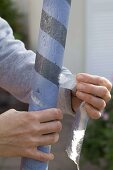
{"points": [[45, 93], [56, 52], [42, 94], [59, 14]]}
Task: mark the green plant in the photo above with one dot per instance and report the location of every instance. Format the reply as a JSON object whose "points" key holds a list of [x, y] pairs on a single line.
{"points": [[98, 144], [9, 12]]}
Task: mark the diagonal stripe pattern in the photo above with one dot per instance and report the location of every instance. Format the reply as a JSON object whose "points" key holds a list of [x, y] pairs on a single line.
{"points": [[48, 64], [47, 69], [54, 28]]}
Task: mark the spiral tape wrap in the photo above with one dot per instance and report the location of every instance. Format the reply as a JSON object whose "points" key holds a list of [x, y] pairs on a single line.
{"points": [[49, 59]]}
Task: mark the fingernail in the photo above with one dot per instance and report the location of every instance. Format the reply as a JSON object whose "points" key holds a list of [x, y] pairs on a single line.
{"points": [[79, 77]]}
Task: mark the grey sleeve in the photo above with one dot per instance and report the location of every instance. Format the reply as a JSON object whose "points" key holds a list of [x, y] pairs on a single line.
{"points": [[16, 64], [17, 68]]}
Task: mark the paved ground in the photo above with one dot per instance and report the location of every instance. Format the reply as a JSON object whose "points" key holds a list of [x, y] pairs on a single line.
{"points": [[61, 161]]}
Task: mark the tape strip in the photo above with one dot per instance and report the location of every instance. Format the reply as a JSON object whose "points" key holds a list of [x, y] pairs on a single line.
{"points": [[69, 2], [47, 69], [54, 28]]}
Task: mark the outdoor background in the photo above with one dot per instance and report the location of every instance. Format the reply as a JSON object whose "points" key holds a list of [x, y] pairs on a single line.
{"points": [[89, 49]]}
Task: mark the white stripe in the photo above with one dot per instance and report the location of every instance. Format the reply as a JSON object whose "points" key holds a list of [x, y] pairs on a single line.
{"points": [[61, 13], [50, 48]]}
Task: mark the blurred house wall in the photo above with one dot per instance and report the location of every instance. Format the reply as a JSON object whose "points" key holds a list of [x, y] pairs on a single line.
{"points": [[88, 23], [99, 38], [74, 55]]}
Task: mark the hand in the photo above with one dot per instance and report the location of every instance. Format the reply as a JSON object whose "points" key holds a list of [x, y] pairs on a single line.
{"points": [[22, 132], [94, 90]]}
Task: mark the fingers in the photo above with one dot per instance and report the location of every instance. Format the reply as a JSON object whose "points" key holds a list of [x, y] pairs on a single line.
{"points": [[30, 129], [38, 155], [50, 127], [44, 140], [96, 102], [49, 115], [95, 91], [100, 91], [94, 113], [49, 139], [97, 80], [43, 134], [29, 152], [31, 149]]}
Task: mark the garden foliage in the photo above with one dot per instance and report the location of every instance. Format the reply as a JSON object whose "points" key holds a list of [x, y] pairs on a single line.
{"points": [[9, 12]]}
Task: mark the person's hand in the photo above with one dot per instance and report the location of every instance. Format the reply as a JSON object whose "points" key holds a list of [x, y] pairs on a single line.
{"points": [[94, 90], [22, 132]]}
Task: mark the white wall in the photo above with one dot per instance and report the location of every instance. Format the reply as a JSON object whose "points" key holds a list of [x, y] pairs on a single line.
{"points": [[34, 15], [74, 54], [99, 39]]}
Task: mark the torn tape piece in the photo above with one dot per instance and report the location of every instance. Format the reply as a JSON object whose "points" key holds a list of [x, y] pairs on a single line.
{"points": [[78, 132], [67, 79]]}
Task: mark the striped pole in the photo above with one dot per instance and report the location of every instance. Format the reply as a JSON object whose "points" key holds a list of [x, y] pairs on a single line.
{"points": [[48, 64]]}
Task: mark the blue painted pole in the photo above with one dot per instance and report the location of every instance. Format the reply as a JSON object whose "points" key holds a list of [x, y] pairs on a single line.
{"points": [[48, 64]]}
